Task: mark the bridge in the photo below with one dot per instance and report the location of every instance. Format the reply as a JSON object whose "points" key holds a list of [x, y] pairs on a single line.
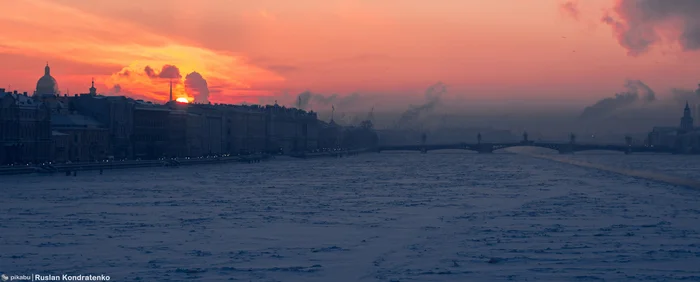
{"points": [[562, 148]]}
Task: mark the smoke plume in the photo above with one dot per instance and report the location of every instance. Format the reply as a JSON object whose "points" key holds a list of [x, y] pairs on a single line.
{"points": [[307, 98], [636, 91], [168, 71], [411, 116], [196, 86], [642, 23]]}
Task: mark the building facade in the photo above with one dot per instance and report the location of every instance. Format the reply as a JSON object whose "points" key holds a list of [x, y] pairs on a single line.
{"points": [[25, 136], [116, 113], [150, 137], [79, 138]]}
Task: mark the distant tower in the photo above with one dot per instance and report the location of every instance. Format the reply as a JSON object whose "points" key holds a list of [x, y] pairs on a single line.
{"points": [[686, 120], [171, 90], [332, 112], [93, 90]]}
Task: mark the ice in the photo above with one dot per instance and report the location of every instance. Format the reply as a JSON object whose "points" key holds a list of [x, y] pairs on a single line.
{"points": [[373, 217]]}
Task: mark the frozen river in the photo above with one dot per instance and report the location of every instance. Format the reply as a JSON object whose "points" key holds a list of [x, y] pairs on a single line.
{"points": [[374, 217]]}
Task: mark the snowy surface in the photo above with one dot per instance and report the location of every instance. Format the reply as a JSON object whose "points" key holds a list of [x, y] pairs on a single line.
{"points": [[374, 217]]}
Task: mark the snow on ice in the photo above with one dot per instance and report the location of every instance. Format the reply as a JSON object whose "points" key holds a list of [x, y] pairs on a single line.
{"points": [[375, 217]]}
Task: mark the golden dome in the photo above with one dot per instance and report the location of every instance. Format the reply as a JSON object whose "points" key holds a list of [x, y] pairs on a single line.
{"points": [[46, 86]]}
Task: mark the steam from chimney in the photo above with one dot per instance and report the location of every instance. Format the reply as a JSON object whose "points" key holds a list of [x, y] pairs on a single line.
{"points": [[196, 86]]}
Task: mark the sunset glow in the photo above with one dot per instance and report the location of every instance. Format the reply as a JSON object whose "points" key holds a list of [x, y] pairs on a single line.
{"points": [[236, 51], [182, 100]]}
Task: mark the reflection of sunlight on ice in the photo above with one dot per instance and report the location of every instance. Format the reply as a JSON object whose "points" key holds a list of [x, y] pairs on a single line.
{"points": [[675, 180], [448, 216]]}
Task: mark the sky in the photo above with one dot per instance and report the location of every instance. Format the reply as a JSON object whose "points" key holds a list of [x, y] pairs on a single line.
{"points": [[234, 51]]}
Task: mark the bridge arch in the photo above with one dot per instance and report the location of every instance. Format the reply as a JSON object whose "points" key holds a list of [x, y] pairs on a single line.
{"points": [[461, 149], [550, 148], [616, 150]]}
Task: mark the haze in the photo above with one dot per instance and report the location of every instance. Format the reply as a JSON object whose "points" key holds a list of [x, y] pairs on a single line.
{"points": [[494, 58]]}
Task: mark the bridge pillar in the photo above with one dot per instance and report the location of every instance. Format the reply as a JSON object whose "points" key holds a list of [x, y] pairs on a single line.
{"points": [[478, 138], [628, 141], [485, 149]]}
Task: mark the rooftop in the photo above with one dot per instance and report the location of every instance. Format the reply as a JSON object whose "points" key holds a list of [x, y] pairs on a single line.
{"points": [[74, 121]]}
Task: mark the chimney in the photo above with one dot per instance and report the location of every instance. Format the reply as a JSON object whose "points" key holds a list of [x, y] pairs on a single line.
{"points": [[25, 93], [15, 92]]}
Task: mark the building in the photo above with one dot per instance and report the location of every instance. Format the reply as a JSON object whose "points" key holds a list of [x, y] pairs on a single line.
{"points": [[46, 86], [362, 136], [330, 135], [62, 143], [290, 130], [78, 138], [664, 136], [25, 135], [116, 113], [150, 137], [178, 133], [309, 130], [195, 138], [255, 129], [211, 129], [235, 131], [684, 139]]}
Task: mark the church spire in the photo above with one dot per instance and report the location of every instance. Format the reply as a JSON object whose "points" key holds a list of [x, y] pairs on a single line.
{"points": [[687, 119], [171, 90], [47, 69], [93, 90]]}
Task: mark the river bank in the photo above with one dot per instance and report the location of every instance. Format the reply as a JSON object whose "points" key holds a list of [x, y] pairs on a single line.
{"points": [[74, 167]]}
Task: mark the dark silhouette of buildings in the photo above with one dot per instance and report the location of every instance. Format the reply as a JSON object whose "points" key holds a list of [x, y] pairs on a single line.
{"points": [[25, 132], [49, 126]]}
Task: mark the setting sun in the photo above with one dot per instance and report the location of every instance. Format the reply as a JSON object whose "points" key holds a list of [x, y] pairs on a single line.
{"points": [[182, 100]]}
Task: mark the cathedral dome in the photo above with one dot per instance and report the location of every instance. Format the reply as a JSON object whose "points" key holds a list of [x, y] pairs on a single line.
{"points": [[46, 86]]}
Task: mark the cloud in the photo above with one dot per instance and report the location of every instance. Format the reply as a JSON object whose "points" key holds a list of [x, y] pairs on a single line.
{"points": [[570, 8], [640, 24], [122, 44], [168, 71], [636, 91], [197, 87]]}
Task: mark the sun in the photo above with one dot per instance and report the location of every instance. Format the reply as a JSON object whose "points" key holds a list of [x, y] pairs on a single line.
{"points": [[182, 100]]}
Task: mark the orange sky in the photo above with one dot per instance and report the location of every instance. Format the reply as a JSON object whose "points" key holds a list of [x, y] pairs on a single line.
{"points": [[483, 50]]}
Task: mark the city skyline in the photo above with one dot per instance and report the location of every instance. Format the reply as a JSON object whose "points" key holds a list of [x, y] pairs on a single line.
{"points": [[233, 51]]}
